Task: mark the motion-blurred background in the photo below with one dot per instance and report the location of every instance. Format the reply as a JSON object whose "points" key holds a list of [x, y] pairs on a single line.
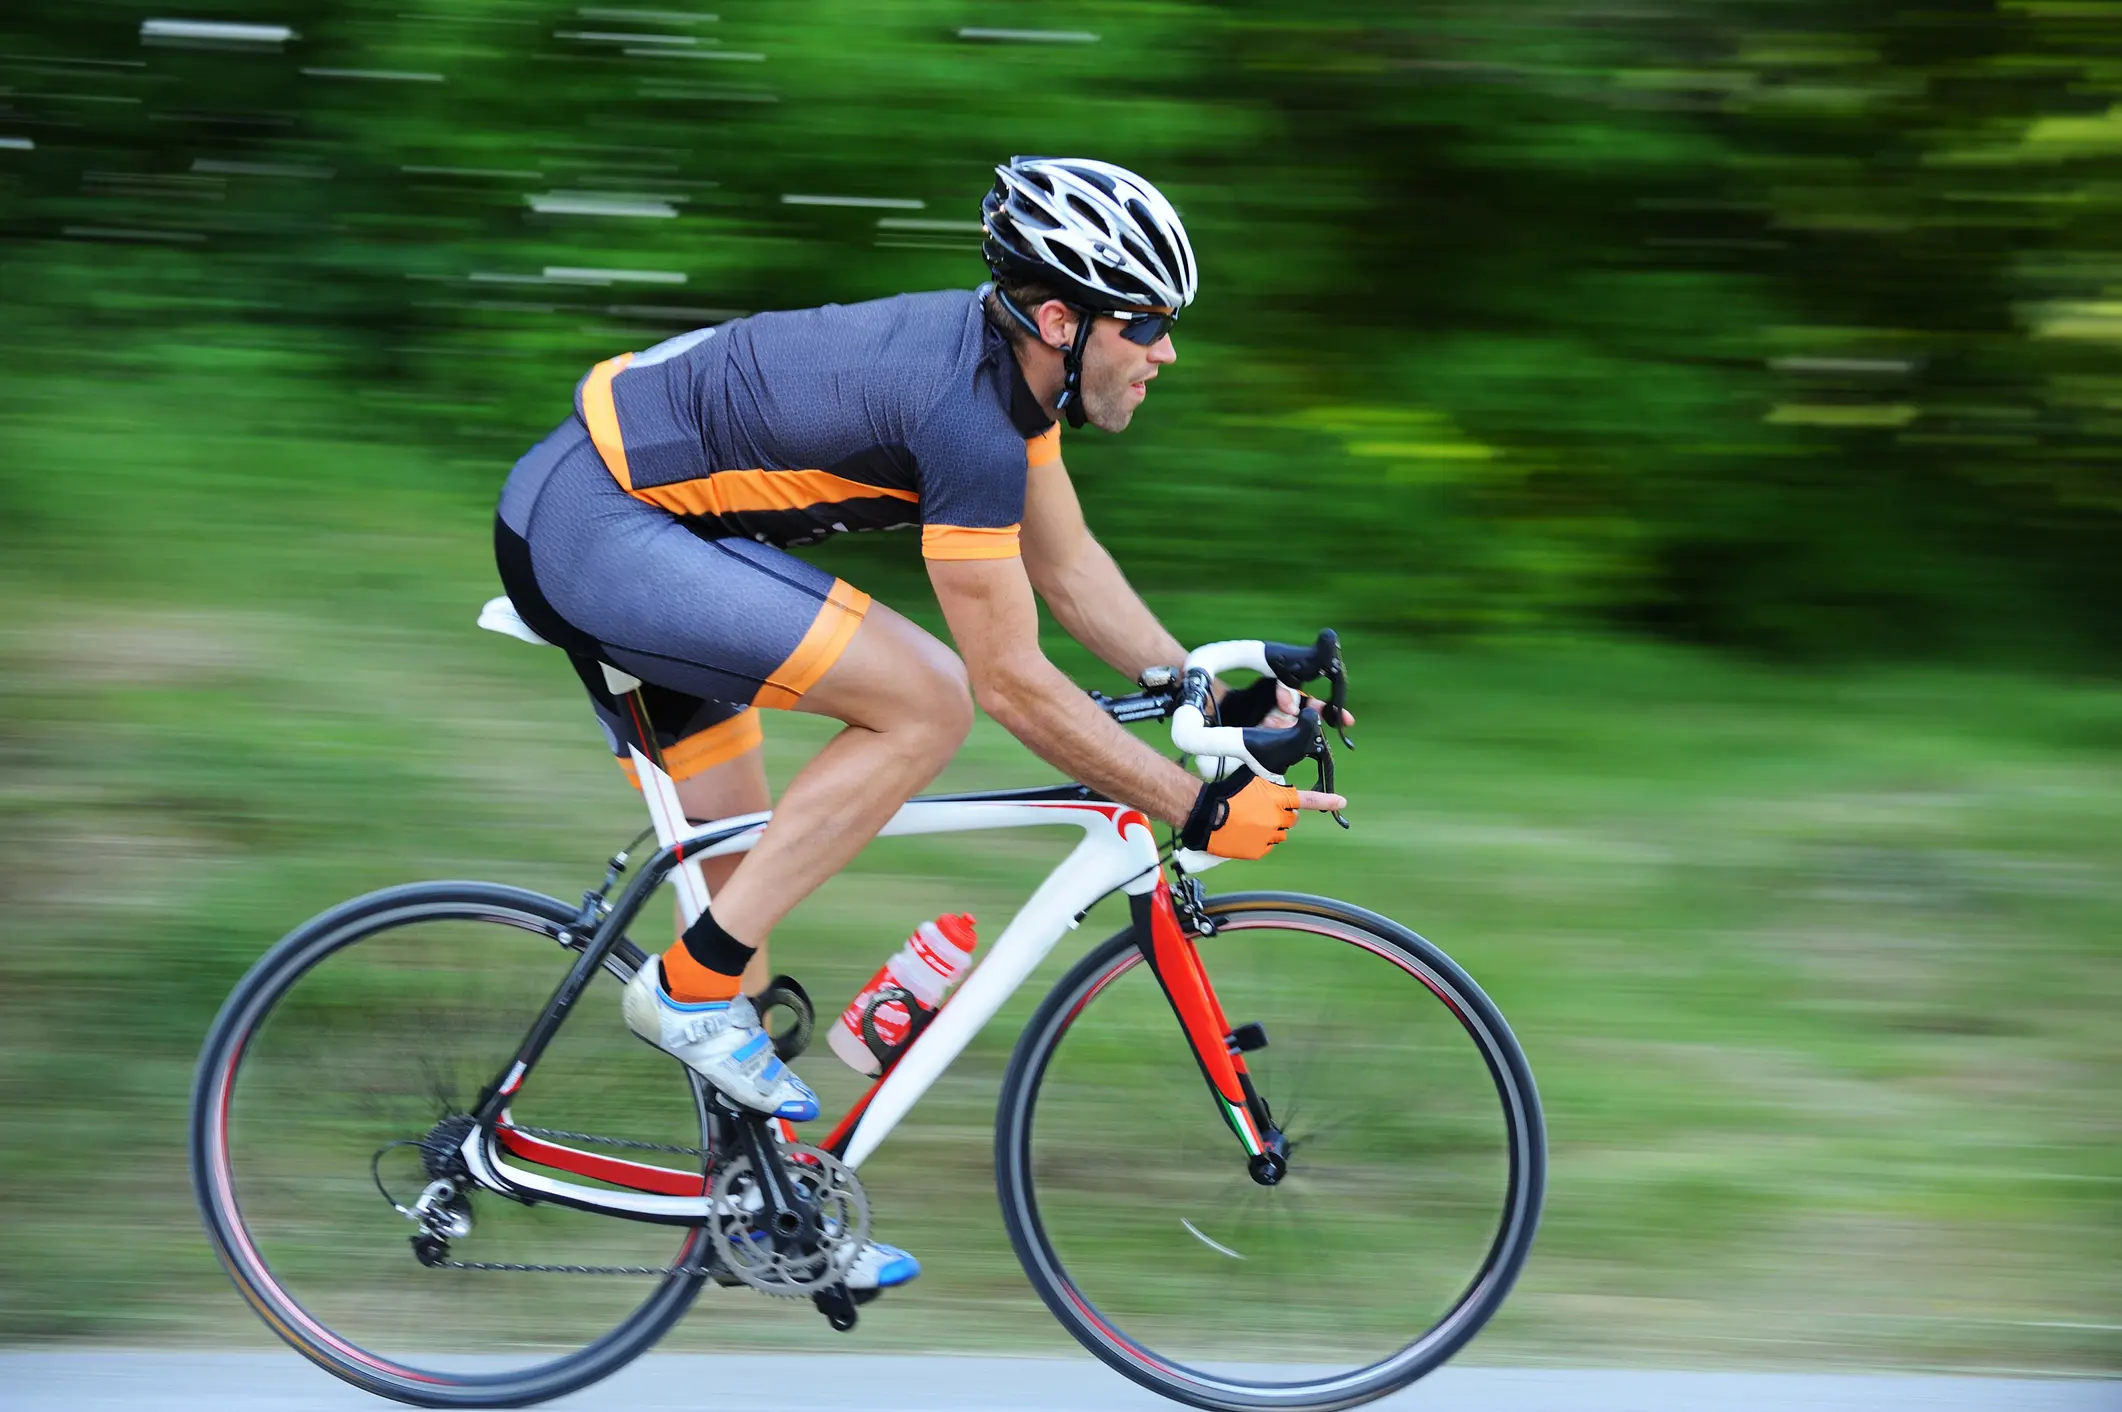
{"points": [[1702, 420]]}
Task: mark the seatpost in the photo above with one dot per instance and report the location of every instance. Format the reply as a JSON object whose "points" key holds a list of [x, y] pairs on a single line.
{"points": [[628, 689], [665, 813]]}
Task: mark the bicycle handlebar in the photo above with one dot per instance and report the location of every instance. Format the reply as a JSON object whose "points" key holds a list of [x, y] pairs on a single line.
{"points": [[1188, 701], [1268, 751]]}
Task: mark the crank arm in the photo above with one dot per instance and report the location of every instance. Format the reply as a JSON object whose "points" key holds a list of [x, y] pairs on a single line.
{"points": [[784, 1212]]}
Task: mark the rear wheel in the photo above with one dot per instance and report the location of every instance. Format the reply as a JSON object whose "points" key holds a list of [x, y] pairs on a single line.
{"points": [[1415, 1171], [373, 1027]]}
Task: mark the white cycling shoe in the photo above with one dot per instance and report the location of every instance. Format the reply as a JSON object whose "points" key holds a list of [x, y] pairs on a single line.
{"points": [[724, 1043], [877, 1267], [881, 1266], [720, 1040]]}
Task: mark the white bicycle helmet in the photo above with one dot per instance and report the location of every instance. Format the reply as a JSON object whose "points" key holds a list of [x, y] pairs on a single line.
{"points": [[1108, 237], [1103, 236]]}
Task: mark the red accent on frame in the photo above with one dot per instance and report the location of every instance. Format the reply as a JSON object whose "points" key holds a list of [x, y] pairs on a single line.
{"points": [[836, 1143], [634, 1176], [1179, 967]]}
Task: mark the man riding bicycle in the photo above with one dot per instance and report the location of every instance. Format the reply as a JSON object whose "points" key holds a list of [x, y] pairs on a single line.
{"points": [[649, 532]]}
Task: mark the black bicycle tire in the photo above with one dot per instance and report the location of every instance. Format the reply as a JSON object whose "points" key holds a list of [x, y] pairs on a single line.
{"points": [[261, 988], [1516, 1230]]}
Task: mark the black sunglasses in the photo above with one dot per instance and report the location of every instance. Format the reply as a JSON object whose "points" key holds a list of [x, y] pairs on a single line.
{"points": [[1144, 328]]}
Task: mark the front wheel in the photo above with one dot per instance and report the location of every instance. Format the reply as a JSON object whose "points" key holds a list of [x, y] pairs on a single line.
{"points": [[1416, 1163]]}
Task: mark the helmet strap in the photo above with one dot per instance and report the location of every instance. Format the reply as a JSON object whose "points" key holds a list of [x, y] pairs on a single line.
{"points": [[1009, 307], [1070, 402]]}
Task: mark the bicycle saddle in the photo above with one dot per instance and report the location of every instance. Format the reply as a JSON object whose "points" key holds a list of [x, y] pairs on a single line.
{"points": [[500, 615]]}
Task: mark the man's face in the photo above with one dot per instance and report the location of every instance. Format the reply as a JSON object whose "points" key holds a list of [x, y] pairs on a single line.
{"points": [[1116, 374]]}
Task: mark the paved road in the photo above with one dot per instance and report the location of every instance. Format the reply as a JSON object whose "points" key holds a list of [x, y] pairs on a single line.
{"points": [[280, 1382]]}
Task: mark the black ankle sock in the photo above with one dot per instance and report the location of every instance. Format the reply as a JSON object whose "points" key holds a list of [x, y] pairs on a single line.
{"points": [[714, 948]]}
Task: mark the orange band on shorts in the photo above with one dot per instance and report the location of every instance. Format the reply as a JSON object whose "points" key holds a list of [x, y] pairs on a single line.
{"points": [[829, 634], [719, 744]]}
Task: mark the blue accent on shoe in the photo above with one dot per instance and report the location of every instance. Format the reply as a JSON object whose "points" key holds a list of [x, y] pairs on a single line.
{"points": [[897, 1270], [752, 1046], [799, 1110]]}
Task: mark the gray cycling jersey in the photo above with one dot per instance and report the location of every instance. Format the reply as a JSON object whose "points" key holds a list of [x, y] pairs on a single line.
{"points": [[787, 427]]}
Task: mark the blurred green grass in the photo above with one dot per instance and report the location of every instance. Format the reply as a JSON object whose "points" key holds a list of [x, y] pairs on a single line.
{"points": [[1818, 972]]}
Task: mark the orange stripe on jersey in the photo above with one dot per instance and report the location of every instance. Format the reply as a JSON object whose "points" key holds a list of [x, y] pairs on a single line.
{"points": [[960, 542], [829, 634], [603, 417], [726, 492], [718, 744], [1044, 448]]}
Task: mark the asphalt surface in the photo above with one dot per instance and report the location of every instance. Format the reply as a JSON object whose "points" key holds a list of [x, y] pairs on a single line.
{"points": [[104, 1381]]}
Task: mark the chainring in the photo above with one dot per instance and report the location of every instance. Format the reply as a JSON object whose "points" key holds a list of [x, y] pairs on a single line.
{"points": [[791, 1266]]}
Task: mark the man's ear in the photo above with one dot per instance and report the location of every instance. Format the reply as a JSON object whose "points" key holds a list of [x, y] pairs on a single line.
{"points": [[1057, 324]]}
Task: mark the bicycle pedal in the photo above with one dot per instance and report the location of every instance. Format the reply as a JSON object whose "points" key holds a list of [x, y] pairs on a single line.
{"points": [[837, 1304]]}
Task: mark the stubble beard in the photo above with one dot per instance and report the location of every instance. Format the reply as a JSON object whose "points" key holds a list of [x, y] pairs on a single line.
{"points": [[1108, 408]]}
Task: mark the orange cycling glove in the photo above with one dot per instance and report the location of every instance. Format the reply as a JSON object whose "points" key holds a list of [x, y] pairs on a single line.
{"points": [[1240, 816]]}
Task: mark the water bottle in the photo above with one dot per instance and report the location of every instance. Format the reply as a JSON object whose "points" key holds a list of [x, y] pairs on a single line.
{"points": [[917, 977]]}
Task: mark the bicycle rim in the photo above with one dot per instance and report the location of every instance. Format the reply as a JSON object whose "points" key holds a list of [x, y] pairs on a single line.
{"points": [[364, 1029], [1416, 1167]]}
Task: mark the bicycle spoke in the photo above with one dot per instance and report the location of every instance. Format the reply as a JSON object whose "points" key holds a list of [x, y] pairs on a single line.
{"points": [[1402, 1175], [363, 1049]]}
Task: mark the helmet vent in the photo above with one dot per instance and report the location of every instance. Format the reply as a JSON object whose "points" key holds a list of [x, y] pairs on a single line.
{"points": [[1089, 212], [1069, 260], [1138, 254]]}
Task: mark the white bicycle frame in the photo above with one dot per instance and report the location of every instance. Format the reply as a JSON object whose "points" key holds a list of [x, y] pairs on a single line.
{"points": [[1117, 853]]}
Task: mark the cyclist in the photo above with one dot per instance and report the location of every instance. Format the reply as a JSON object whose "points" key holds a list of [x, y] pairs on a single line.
{"points": [[650, 530]]}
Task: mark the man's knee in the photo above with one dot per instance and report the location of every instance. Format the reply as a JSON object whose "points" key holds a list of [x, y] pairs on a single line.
{"points": [[946, 699], [897, 678]]}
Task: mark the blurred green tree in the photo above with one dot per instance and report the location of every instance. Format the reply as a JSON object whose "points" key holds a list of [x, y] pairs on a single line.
{"points": [[1786, 327]]}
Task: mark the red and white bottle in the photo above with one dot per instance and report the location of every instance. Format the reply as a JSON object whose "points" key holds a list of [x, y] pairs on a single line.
{"points": [[930, 963]]}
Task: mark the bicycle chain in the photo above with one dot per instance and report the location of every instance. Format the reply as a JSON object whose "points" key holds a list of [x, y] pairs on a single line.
{"points": [[625, 1142], [506, 1266], [515, 1268], [523, 1268]]}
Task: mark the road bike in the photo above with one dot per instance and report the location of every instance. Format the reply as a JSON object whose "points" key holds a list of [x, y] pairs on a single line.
{"points": [[398, 1123]]}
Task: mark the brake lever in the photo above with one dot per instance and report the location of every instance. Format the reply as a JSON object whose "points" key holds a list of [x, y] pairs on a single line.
{"points": [[1324, 755], [1326, 662]]}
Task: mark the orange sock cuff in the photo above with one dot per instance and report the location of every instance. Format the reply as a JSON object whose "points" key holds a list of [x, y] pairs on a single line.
{"points": [[689, 982]]}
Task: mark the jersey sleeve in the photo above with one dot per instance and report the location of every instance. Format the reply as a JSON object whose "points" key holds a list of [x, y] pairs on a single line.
{"points": [[972, 492]]}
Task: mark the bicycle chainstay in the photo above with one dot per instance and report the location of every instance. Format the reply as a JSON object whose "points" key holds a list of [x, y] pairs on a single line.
{"points": [[443, 1262]]}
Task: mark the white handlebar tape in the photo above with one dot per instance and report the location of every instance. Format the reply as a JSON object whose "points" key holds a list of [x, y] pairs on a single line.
{"points": [[1219, 657], [1216, 749], [1216, 746]]}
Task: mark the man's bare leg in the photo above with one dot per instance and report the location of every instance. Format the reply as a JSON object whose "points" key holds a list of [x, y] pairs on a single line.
{"points": [[733, 787], [904, 699]]}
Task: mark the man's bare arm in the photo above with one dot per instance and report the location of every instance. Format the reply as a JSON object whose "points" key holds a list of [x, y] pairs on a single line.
{"points": [[989, 605], [1091, 598], [1082, 585]]}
